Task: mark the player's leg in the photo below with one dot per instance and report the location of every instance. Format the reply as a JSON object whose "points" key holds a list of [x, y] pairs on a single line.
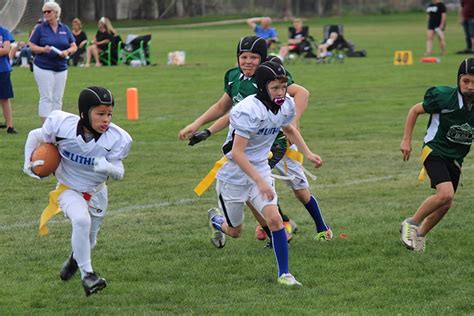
{"points": [[300, 187], [442, 42], [275, 223], [76, 209]]}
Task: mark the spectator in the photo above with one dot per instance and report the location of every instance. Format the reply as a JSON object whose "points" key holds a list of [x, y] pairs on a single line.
{"points": [[51, 42], [81, 40], [20, 54], [466, 18], [105, 34], [436, 25], [6, 89], [264, 29], [298, 41]]}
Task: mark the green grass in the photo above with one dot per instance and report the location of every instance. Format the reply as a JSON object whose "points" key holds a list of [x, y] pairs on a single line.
{"points": [[153, 247]]}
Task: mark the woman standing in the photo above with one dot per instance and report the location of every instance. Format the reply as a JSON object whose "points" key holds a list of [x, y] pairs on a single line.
{"points": [[52, 42], [105, 34], [6, 89], [81, 40]]}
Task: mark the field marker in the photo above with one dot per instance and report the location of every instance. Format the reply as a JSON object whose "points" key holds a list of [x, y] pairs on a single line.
{"points": [[132, 104], [403, 57]]}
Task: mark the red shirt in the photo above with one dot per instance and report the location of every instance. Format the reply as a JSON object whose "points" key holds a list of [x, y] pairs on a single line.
{"points": [[467, 9]]}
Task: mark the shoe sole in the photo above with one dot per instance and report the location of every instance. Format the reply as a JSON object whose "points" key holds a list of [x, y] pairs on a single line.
{"points": [[95, 289], [401, 240], [218, 242]]}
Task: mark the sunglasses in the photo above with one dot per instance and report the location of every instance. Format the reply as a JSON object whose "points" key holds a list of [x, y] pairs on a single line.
{"points": [[47, 11]]}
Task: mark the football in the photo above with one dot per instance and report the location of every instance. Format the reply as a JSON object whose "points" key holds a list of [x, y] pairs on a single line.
{"points": [[51, 157]]}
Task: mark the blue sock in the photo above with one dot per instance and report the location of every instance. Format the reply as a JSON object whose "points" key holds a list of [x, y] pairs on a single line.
{"points": [[217, 222], [280, 247], [313, 209]]}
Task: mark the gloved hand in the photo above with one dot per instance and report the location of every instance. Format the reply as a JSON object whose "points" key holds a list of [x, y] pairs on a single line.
{"points": [[101, 165], [28, 166], [199, 137]]}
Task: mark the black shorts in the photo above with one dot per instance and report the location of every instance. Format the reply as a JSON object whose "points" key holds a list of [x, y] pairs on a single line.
{"points": [[442, 170], [432, 25]]}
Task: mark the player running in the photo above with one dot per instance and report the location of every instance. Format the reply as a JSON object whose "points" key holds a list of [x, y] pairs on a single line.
{"points": [[239, 83], [447, 141], [92, 149], [246, 177]]}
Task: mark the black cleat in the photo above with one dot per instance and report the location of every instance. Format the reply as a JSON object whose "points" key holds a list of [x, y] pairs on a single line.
{"points": [[92, 283], [68, 269], [11, 130]]}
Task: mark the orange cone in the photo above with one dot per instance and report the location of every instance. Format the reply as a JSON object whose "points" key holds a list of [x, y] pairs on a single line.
{"points": [[132, 104]]}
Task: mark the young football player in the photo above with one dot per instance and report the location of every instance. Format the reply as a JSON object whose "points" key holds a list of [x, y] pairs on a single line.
{"points": [[92, 149], [447, 141], [246, 177], [240, 83]]}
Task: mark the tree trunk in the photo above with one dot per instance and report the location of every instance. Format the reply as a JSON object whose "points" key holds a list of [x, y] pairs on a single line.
{"points": [[180, 8], [287, 11]]}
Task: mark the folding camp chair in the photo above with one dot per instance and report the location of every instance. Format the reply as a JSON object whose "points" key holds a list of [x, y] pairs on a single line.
{"points": [[136, 48], [109, 56]]}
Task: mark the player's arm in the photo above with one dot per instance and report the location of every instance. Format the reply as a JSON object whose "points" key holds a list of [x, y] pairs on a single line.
{"points": [[218, 109], [301, 97], [34, 139], [443, 21], [405, 145], [216, 127], [238, 155], [295, 137], [114, 169]]}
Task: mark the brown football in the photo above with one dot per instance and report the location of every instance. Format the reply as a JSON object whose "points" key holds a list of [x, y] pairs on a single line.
{"points": [[51, 157]]}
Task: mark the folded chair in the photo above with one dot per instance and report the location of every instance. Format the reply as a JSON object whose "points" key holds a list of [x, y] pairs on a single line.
{"points": [[136, 48]]}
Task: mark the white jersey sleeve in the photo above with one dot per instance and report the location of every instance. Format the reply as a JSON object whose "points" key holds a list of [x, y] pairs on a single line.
{"points": [[288, 111], [52, 126], [118, 141]]}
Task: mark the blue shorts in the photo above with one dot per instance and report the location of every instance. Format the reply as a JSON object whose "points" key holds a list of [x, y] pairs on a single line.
{"points": [[6, 89]]}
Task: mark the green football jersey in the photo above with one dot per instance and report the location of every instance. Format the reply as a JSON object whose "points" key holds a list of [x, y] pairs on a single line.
{"points": [[449, 131], [238, 87]]}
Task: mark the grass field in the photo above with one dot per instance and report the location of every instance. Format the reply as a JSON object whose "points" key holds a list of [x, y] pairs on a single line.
{"points": [[154, 247]]}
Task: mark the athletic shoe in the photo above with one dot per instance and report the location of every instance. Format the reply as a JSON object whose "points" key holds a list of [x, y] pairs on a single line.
{"points": [[269, 244], [260, 233], [419, 243], [92, 283], [11, 130], [408, 232], [288, 230], [217, 237], [288, 279], [294, 227], [324, 236], [68, 269]]}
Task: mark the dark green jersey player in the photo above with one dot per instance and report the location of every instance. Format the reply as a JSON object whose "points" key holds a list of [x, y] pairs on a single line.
{"points": [[447, 141]]}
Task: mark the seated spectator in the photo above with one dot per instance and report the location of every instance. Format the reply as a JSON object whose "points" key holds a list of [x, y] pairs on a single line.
{"points": [[20, 54], [105, 34], [81, 40], [264, 29], [334, 40], [299, 41]]}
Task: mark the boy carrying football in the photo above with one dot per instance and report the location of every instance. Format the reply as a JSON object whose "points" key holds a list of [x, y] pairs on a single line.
{"points": [[81, 192], [254, 125]]}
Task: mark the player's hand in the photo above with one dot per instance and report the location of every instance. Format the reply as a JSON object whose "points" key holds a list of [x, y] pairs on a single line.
{"points": [[266, 190], [28, 166], [405, 148], [101, 165], [188, 131], [315, 159], [199, 137]]}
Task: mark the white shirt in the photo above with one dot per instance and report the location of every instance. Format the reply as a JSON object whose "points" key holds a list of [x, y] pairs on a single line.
{"points": [[76, 169], [252, 120]]}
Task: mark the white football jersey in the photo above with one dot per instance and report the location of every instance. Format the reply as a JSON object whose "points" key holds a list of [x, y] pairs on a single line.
{"points": [[76, 169], [252, 120]]}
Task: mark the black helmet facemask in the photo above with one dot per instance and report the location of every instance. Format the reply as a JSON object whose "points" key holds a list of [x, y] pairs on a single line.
{"points": [[466, 68], [266, 72], [252, 44], [89, 98]]}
